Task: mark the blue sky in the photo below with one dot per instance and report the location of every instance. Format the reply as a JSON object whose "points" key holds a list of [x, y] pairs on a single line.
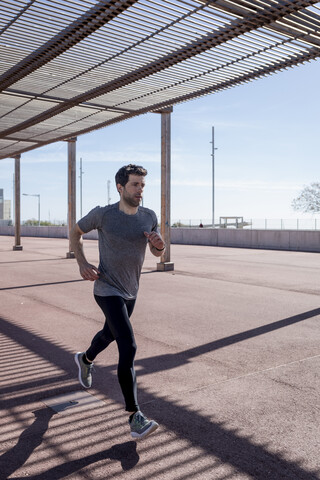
{"points": [[266, 132]]}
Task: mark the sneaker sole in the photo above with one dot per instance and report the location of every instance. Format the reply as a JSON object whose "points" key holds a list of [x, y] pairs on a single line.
{"points": [[79, 374], [136, 436]]}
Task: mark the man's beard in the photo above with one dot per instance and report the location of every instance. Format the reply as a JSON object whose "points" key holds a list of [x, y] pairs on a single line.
{"points": [[131, 201]]}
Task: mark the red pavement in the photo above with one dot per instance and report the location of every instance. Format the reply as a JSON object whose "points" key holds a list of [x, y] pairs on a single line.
{"points": [[228, 364]]}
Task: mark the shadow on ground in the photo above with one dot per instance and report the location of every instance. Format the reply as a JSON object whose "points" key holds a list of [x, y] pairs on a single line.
{"points": [[32, 437], [213, 438]]}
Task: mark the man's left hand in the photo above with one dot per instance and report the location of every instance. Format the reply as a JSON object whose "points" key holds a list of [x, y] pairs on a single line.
{"points": [[155, 240]]}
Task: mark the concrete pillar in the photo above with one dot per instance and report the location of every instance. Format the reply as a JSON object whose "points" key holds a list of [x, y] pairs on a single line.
{"points": [[71, 189], [165, 263], [17, 197]]}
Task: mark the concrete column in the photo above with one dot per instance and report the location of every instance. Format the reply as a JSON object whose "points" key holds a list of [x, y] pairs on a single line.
{"points": [[71, 189], [165, 263], [17, 196]]}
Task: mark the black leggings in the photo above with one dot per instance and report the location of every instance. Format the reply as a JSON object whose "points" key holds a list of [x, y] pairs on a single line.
{"points": [[117, 312]]}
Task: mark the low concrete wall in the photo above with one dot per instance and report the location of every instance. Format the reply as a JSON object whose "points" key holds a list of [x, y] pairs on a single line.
{"points": [[29, 231], [48, 232], [298, 240]]}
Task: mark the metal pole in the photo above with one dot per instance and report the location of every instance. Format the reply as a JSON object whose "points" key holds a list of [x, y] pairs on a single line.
{"points": [[165, 263], [17, 245], [81, 172], [212, 177], [212, 155], [71, 189]]}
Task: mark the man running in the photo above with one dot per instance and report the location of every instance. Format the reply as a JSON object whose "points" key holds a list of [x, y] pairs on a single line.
{"points": [[124, 229]]}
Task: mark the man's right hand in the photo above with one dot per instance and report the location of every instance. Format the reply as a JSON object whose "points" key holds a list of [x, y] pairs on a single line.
{"points": [[89, 272]]}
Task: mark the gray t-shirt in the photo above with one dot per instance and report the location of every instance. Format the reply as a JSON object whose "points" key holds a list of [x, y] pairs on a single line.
{"points": [[122, 247]]}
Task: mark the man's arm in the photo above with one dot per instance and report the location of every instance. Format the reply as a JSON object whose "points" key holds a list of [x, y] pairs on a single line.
{"points": [[87, 271], [156, 244]]}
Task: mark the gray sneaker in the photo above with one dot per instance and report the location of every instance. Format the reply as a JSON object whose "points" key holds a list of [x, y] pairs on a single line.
{"points": [[85, 375], [141, 427]]}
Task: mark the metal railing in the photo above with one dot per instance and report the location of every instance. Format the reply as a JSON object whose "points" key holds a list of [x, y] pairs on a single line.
{"points": [[254, 223]]}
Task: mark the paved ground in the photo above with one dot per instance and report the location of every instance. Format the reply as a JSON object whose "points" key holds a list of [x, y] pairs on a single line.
{"points": [[228, 364]]}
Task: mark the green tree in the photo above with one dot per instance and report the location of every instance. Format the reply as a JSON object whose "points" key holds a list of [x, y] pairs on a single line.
{"points": [[309, 199], [31, 222]]}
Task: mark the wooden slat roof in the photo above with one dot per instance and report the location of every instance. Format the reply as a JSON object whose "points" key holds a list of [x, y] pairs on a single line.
{"points": [[68, 67]]}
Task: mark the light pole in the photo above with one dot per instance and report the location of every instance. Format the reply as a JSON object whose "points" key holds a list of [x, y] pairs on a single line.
{"points": [[212, 155], [35, 195]]}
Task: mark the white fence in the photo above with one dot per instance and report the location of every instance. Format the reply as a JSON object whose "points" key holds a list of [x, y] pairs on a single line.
{"points": [[255, 223], [246, 224]]}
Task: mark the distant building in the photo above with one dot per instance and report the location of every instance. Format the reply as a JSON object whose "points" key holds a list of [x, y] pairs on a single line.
{"points": [[7, 209]]}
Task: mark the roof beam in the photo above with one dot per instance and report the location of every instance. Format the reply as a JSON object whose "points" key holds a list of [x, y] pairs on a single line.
{"points": [[312, 54], [261, 72], [276, 27], [31, 96], [89, 22], [236, 28], [293, 61], [18, 15]]}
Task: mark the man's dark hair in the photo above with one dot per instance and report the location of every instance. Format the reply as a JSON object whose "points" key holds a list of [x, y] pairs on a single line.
{"points": [[122, 175]]}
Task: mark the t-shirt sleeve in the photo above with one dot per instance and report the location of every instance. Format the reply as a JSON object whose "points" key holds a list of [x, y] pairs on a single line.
{"points": [[154, 223], [92, 221]]}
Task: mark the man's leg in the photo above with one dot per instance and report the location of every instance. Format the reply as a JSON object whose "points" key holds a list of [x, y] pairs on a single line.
{"points": [[99, 342], [126, 373], [84, 360], [117, 312]]}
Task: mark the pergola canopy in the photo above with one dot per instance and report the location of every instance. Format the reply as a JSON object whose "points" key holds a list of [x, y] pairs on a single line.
{"points": [[68, 67]]}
